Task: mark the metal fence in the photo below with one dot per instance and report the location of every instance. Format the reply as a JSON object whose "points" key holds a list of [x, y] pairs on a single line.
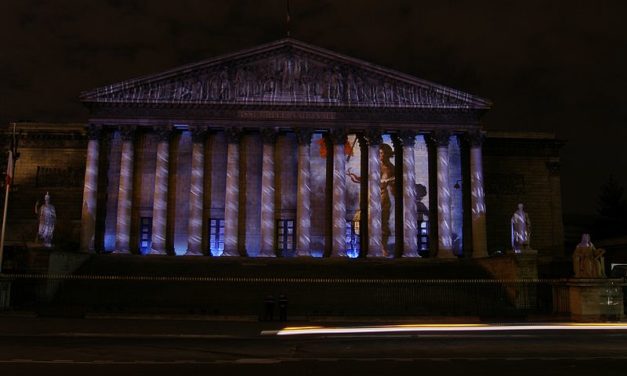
{"points": [[306, 297]]}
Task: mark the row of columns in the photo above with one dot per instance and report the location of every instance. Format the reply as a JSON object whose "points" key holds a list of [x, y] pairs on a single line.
{"points": [[337, 138]]}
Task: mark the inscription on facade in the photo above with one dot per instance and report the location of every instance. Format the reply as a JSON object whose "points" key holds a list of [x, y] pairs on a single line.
{"points": [[59, 177], [286, 115]]}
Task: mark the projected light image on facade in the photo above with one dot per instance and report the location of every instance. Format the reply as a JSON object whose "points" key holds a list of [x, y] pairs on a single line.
{"points": [[256, 181]]}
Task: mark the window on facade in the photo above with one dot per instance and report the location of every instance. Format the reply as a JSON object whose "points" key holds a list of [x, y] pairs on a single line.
{"points": [[352, 238], [216, 236], [285, 236], [423, 235], [145, 233]]}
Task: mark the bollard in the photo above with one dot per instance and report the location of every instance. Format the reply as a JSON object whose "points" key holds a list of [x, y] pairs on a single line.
{"points": [[282, 307], [268, 303]]}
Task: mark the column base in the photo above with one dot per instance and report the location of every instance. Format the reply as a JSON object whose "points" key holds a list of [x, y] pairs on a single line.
{"points": [[303, 254], [193, 253], [445, 254], [230, 253], [266, 254], [157, 252], [376, 254], [121, 252], [413, 254]]}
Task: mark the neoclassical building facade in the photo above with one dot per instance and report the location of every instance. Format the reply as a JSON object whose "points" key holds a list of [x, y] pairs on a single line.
{"points": [[285, 149]]}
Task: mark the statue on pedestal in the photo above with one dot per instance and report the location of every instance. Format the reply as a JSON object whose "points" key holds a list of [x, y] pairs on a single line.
{"points": [[521, 230], [47, 219], [588, 262]]}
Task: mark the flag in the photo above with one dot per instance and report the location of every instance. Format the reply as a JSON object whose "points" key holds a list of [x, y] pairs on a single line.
{"points": [[9, 174]]}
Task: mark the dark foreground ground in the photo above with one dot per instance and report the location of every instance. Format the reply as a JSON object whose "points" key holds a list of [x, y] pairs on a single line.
{"points": [[177, 346]]}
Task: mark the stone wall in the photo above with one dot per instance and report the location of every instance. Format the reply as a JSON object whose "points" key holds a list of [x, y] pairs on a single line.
{"points": [[52, 159], [518, 167], [523, 168]]}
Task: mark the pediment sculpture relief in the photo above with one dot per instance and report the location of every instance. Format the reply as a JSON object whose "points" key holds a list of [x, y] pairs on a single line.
{"points": [[285, 78]]}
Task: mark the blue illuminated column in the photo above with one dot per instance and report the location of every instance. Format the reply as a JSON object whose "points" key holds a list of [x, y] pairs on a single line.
{"points": [[410, 221], [303, 199], [160, 197], [196, 192], [477, 197], [231, 198], [90, 189], [338, 246], [375, 248], [125, 192], [445, 242], [267, 193]]}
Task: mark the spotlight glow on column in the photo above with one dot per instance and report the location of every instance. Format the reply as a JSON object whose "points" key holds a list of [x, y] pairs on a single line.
{"points": [[90, 190], [196, 197], [375, 247], [303, 200], [267, 200], [125, 192], [410, 232], [231, 201], [339, 201], [445, 241], [160, 201]]}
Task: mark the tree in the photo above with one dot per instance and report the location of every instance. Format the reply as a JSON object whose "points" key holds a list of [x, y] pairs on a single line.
{"points": [[612, 209], [611, 203]]}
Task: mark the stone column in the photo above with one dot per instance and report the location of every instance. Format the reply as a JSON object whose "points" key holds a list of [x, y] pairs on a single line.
{"points": [[160, 197], [445, 241], [375, 248], [303, 199], [231, 199], [364, 238], [268, 225], [90, 190], [410, 214], [196, 193], [477, 197], [125, 192], [338, 138]]}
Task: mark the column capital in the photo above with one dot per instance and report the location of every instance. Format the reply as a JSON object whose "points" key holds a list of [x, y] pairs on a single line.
{"points": [[199, 134], [474, 138], [163, 133], [439, 137], [127, 132], [268, 135], [373, 136], [363, 142], [93, 131], [407, 137], [303, 135], [337, 136], [233, 135], [397, 142]]}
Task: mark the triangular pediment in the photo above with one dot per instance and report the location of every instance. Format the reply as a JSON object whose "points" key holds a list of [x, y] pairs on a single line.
{"points": [[286, 72]]}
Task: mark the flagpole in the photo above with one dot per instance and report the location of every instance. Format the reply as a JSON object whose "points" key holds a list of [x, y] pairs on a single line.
{"points": [[4, 223], [8, 182]]}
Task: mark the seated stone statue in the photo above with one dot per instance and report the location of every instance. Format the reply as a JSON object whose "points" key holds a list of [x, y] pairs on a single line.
{"points": [[588, 262]]}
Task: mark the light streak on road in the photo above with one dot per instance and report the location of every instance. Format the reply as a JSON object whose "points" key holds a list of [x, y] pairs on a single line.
{"points": [[418, 328]]}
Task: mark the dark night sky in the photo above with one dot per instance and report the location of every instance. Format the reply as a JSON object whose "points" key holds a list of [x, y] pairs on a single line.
{"points": [[548, 66]]}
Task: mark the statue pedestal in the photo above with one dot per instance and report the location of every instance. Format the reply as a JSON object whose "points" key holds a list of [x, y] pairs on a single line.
{"points": [[595, 299]]}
